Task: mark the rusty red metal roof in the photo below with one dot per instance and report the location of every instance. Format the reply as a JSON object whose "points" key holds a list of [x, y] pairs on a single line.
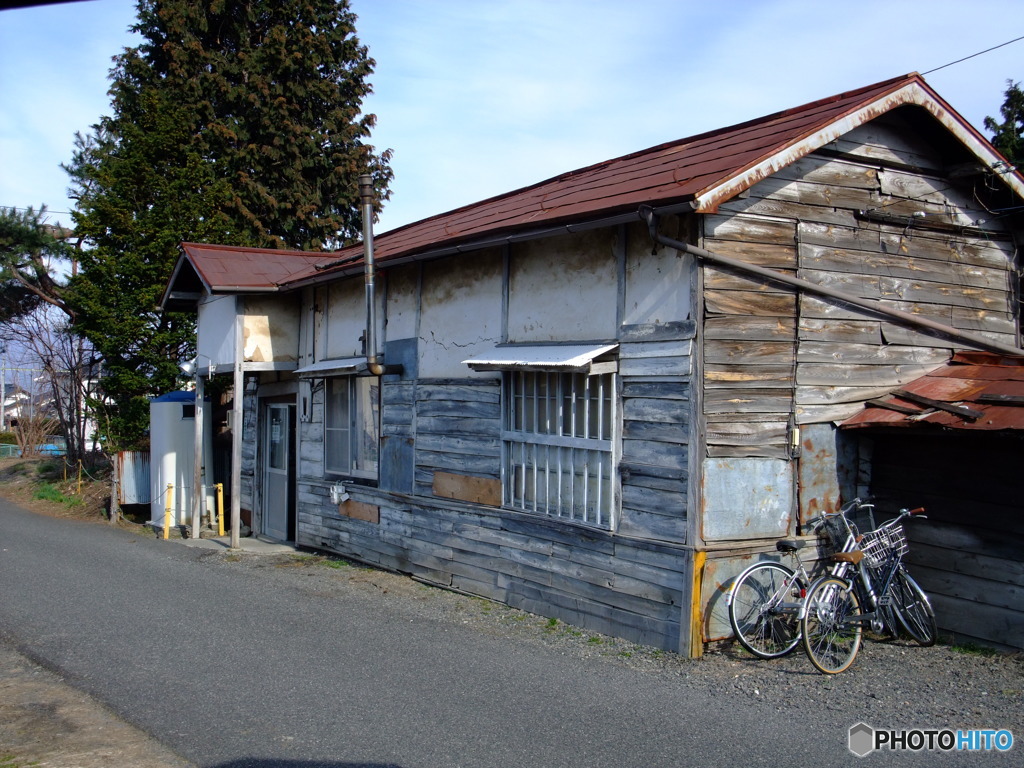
{"points": [[975, 390], [677, 171], [701, 171], [228, 269]]}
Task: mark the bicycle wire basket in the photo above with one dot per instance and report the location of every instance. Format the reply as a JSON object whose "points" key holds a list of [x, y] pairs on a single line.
{"points": [[886, 542]]}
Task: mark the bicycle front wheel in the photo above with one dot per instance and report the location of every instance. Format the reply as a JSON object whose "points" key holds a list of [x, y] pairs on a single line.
{"points": [[762, 612], [913, 609], [831, 625]]}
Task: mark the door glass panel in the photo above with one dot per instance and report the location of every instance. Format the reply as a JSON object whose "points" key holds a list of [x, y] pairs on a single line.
{"points": [[278, 439]]}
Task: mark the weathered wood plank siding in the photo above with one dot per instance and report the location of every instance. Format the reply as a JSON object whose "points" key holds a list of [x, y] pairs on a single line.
{"points": [[458, 429], [630, 581], [593, 579], [776, 360], [814, 219], [749, 338], [656, 418], [967, 554]]}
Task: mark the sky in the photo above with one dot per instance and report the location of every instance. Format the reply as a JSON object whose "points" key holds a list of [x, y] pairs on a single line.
{"points": [[480, 97]]}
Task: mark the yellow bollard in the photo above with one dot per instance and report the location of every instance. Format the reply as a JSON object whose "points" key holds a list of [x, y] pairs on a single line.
{"points": [[79, 477], [167, 511], [220, 508]]}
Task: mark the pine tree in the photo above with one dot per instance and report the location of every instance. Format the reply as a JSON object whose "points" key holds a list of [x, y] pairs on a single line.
{"points": [[1008, 135], [234, 121], [31, 251]]}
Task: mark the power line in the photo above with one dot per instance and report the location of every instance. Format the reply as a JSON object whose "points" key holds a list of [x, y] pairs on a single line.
{"points": [[965, 58], [34, 210]]}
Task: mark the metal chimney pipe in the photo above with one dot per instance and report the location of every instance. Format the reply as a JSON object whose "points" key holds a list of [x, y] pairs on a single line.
{"points": [[369, 274]]}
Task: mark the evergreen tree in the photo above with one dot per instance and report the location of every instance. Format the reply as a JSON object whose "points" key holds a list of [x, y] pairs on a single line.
{"points": [[1008, 135], [31, 252], [234, 121]]}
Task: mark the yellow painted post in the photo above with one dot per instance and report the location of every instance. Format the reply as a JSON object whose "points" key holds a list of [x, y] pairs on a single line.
{"points": [[220, 509], [697, 614], [79, 477], [167, 511]]}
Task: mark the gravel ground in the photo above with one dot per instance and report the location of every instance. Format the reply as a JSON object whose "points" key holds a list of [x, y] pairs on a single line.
{"points": [[892, 684]]}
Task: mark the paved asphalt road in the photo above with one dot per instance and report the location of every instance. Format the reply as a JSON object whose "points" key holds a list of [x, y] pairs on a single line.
{"points": [[231, 670]]}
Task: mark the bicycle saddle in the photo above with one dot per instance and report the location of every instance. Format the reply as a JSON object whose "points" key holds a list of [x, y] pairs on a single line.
{"points": [[790, 545]]}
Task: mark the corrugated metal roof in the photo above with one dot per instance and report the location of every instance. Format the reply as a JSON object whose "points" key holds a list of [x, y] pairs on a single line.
{"points": [[703, 170], [230, 268], [975, 390], [578, 358], [332, 367]]}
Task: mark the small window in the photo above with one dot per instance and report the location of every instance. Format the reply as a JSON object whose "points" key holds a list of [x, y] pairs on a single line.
{"points": [[352, 427], [558, 438], [188, 410]]}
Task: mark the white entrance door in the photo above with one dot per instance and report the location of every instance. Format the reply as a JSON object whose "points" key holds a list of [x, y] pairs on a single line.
{"points": [[277, 480]]}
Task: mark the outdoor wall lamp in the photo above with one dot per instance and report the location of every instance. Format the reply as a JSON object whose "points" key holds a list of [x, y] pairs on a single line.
{"points": [[339, 494], [190, 367]]}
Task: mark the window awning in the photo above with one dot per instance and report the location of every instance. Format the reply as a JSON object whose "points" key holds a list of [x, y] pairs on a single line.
{"points": [[576, 358], [335, 367]]}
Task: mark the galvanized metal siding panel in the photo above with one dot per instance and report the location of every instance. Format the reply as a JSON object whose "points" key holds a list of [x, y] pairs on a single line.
{"points": [[133, 480], [747, 498]]}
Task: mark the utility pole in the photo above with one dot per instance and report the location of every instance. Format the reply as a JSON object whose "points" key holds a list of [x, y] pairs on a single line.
{"points": [[3, 388]]}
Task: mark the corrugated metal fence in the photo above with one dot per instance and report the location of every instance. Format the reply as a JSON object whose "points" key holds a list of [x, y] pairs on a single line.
{"points": [[133, 477]]}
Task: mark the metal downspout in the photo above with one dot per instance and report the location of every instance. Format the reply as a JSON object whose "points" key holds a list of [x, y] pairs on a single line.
{"points": [[970, 339]]}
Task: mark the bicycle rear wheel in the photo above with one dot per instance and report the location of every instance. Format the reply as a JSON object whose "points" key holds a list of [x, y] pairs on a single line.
{"points": [[913, 609], [831, 637], [761, 621]]}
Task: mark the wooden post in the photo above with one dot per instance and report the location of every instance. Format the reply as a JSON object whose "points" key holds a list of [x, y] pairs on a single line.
{"points": [[115, 491]]}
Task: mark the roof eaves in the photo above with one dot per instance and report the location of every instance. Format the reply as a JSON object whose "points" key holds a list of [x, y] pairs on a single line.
{"points": [[828, 128], [908, 90], [490, 239]]}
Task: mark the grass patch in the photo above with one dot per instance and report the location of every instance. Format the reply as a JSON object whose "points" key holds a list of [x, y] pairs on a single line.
{"points": [[305, 561], [974, 649], [10, 761], [51, 492]]}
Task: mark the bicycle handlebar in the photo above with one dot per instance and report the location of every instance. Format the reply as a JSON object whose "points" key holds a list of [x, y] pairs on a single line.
{"points": [[918, 512]]}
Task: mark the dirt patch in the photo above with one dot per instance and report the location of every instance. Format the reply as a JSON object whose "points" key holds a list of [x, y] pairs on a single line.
{"points": [[45, 722], [52, 487]]}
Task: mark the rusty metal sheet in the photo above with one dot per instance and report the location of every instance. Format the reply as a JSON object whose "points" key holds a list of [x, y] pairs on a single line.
{"points": [[975, 380], [824, 463]]}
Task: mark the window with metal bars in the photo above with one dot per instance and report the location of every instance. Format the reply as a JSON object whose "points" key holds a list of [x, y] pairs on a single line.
{"points": [[559, 436]]}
